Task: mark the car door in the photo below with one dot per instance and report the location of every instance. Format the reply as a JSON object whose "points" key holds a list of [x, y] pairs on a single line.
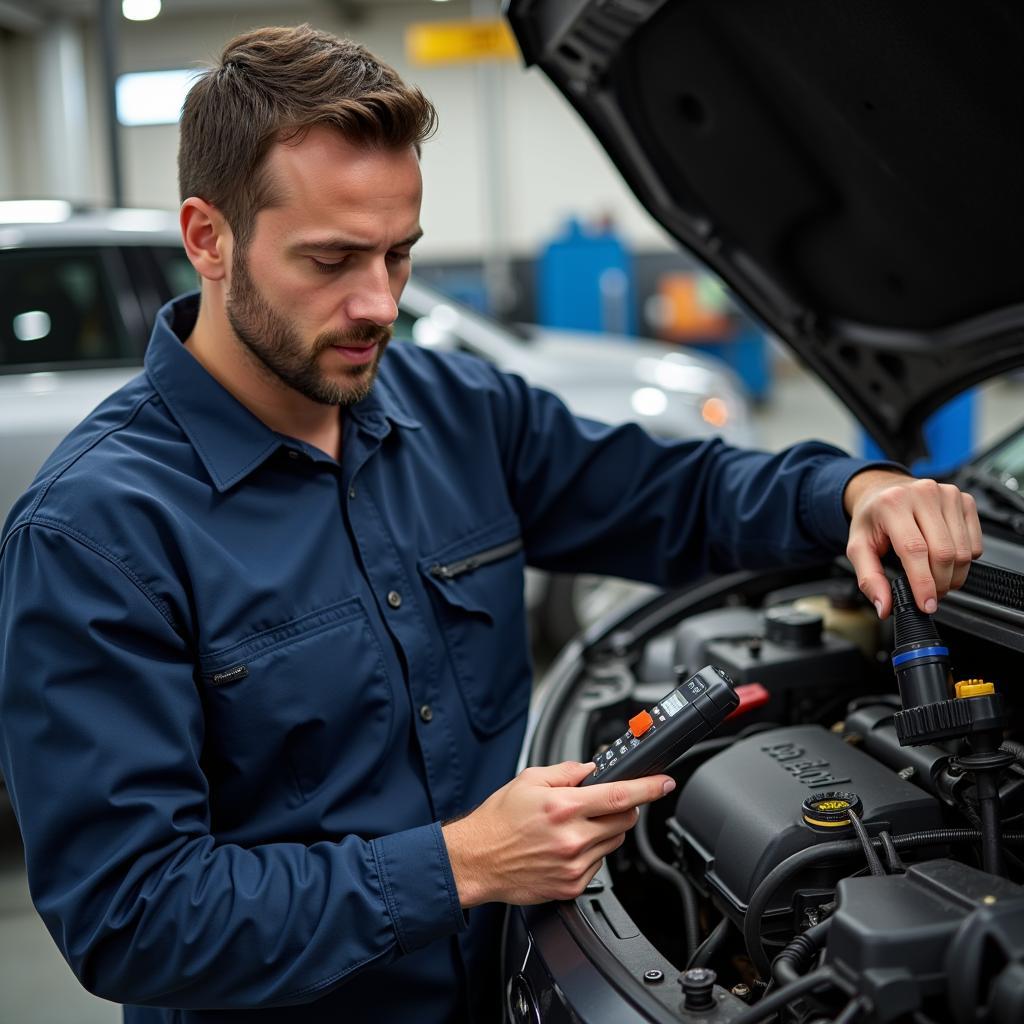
{"points": [[70, 334]]}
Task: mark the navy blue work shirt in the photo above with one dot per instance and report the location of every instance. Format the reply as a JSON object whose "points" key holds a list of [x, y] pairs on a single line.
{"points": [[243, 683]]}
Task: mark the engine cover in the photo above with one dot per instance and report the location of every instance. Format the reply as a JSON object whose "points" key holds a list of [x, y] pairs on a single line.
{"points": [[740, 814]]}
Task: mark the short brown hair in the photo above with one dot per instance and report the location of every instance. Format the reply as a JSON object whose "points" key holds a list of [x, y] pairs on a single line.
{"points": [[272, 85]]}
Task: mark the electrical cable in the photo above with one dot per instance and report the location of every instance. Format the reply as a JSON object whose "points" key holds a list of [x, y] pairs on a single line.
{"points": [[707, 950], [821, 978], [892, 857], [796, 958], [874, 864], [691, 923], [796, 862]]}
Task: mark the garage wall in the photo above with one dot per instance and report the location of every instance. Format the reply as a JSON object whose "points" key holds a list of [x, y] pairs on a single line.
{"points": [[7, 184], [19, 117], [551, 165]]}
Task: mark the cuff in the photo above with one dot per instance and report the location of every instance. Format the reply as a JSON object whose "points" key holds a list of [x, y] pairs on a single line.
{"points": [[418, 884], [822, 499]]}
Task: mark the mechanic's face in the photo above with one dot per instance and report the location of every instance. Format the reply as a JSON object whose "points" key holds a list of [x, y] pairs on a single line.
{"points": [[314, 293]]}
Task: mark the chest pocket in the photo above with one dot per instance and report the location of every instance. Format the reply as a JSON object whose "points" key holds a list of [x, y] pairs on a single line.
{"points": [[477, 590], [305, 705]]}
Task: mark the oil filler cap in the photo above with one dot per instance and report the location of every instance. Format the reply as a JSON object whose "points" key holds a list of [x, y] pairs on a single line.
{"points": [[831, 810]]}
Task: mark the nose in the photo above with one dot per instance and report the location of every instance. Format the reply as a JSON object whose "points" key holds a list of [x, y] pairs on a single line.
{"points": [[370, 299]]}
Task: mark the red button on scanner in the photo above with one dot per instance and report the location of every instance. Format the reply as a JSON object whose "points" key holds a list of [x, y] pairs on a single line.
{"points": [[639, 724]]}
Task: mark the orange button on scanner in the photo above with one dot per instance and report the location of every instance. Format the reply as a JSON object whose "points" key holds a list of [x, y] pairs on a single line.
{"points": [[639, 724]]}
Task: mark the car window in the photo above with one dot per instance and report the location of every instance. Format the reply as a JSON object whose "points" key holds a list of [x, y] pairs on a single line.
{"points": [[404, 325], [58, 307], [1006, 463], [178, 271]]}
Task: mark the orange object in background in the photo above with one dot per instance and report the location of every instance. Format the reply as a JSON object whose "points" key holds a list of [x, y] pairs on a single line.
{"points": [[688, 311]]}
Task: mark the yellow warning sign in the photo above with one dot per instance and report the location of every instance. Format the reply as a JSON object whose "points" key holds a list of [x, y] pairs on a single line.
{"points": [[457, 42]]}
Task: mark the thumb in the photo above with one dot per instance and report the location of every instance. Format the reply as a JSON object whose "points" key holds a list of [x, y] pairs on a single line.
{"points": [[568, 773]]}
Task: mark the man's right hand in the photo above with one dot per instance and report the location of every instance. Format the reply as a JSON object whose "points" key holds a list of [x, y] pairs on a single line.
{"points": [[540, 837]]}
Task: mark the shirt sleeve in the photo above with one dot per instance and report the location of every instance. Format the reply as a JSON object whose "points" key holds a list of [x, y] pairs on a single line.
{"points": [[101, 736], [617, 501]]}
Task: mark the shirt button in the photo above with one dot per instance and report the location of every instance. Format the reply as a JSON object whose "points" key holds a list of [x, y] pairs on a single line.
{"points": [[426, 712], [293, 454], [394, 599], [351, 492]]}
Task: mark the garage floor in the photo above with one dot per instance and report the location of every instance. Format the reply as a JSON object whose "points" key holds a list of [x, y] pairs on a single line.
{"points": [[36, 986]]}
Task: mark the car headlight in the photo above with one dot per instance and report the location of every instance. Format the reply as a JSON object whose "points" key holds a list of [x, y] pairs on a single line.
{"points": [[649, 401]]}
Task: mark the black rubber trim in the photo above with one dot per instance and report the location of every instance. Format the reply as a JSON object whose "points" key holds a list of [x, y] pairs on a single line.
{"points": [[999, 586]]}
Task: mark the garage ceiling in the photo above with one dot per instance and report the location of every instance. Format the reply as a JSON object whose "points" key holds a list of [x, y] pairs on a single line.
{"points": [[30, 15]]}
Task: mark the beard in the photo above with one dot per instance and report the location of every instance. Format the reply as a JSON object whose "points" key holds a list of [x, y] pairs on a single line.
{"points": [[277, 347]]}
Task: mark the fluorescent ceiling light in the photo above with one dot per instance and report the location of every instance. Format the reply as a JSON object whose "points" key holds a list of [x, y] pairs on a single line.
{"points": [[153, 97], [140, 10]]}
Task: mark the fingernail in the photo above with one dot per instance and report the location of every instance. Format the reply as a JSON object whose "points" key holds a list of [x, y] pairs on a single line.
{"points": [[930, 605], [668, 787], [878, 608]]}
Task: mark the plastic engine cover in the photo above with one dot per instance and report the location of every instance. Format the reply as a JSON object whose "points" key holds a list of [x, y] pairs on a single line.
{"points": [[740, 813]]}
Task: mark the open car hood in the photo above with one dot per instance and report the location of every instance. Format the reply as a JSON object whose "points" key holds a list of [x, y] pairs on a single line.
{"points": [[854, 171]]}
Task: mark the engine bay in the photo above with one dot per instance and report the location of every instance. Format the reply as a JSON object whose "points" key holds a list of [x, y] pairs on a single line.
{"points": [[831, 855]]}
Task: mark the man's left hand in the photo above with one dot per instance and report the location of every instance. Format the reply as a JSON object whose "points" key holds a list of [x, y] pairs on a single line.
{"points": [[932, 527]]}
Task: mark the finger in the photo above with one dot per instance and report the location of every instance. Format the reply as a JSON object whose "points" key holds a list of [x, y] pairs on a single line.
{"points": [[607, 825], [595, 854], [614, 797], [953, 512], [909, 544], [871, 578], [588, 875], [941, 544], [973, 524]]}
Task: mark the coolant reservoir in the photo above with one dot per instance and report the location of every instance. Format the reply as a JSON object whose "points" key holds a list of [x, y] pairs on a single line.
{"points": [[851, 619]]}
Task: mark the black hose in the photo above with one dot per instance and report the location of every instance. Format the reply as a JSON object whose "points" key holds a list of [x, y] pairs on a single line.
{"points": [[824, 851], [820, 978], [691, 924], [874, 864], [892, 858], [1013, 747], [796, 959], [708, 949], [988, 805]]}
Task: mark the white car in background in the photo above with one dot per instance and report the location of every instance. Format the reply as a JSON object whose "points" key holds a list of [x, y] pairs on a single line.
{"points": [[79, 290]]}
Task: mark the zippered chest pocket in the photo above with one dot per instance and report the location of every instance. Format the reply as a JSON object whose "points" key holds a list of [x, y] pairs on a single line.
{"points": [[476, 588]]}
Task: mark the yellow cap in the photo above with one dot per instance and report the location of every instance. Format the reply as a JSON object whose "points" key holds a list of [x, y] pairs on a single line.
{"points": [[974, 688]]}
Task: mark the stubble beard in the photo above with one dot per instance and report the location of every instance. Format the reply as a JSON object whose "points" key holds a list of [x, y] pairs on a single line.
{"points": [[277, 347]]}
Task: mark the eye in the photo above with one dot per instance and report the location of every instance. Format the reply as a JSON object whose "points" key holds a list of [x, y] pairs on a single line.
{"points": [[327, 268], [398, 257]]}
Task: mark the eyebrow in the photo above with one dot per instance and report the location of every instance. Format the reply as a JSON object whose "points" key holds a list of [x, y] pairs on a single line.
{"points": [[350, 245]]}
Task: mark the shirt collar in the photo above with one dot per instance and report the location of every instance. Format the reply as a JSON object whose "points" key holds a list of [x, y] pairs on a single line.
{"points": [[229, 439]]}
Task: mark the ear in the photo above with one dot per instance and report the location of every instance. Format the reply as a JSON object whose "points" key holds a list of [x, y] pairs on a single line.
{"points": [[207, 237]]}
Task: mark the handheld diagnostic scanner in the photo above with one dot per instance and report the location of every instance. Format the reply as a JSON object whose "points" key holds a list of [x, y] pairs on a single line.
{"points": [[659, 734]]}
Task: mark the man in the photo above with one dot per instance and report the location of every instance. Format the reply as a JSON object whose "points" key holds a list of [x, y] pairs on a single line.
{"points": [[259, 705]]}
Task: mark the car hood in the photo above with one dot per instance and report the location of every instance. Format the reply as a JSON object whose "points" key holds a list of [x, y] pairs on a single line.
{"points": [[852, 171]]}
